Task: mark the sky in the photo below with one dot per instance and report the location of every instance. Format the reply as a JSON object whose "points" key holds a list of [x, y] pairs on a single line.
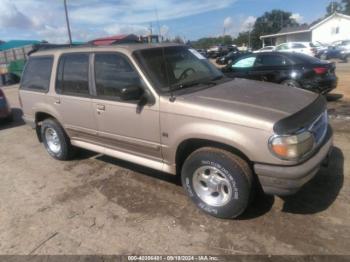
{"points": [[189, 19]]}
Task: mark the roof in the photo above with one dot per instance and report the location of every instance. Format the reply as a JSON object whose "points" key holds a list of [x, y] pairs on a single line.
{"points": [[303, 28], [17, 43], [109, 48], [329, 18], [286, 33]]}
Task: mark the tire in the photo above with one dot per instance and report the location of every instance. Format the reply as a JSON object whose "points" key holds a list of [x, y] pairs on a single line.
{"points": [[10, 118], [55, 140], [291, 83], [224, 187]]}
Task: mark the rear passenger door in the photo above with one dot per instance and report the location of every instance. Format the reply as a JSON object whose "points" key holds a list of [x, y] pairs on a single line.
{"points": [[73, 97], [120, 125], [271, 67]]}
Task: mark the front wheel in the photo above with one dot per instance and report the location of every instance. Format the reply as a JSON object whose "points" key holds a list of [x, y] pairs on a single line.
{"points": [[217, 181], [55, 140]]}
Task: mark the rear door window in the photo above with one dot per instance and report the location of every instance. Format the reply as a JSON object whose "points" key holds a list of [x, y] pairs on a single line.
{"points": [[272, 60], [73, 75], [37, 74]]}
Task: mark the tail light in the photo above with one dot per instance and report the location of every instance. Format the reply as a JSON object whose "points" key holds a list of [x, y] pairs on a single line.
{"points": [[320, 70]]}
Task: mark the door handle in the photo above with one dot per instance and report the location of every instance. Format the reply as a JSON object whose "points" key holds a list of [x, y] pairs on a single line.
{"points": [[101, 107], [57, 101]]}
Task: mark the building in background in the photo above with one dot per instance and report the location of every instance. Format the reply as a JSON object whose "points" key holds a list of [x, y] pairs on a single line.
{"points": [[333, 28]]}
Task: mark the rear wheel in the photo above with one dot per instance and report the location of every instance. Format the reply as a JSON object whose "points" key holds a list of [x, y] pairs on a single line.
{"points": [[217, 181], [55, 140], [291, 83]]}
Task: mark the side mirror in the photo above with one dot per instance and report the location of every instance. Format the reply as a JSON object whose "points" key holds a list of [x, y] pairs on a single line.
{"points": [[131, 93]]}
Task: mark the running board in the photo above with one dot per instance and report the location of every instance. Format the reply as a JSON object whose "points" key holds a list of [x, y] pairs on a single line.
{"points": [[126, 156]]}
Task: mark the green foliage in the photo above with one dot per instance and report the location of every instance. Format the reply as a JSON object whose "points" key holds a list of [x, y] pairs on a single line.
{"points": [[16, 67], [340, 6], [270, 23], [242, 39], [205, 43], [346, 7], [334, 7]]}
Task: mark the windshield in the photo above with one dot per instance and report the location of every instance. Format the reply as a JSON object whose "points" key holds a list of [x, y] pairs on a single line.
{"points": [[176, 67]]}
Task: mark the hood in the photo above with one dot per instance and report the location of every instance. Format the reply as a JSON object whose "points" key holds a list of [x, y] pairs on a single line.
{"points": [[245, 102]]}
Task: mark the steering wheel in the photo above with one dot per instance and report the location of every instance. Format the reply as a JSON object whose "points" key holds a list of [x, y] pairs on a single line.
{"points": [[184, 74]]}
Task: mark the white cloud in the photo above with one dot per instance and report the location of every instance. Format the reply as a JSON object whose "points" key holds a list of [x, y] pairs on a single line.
{"points": [[228, 22], [297, 17], [44, 19], [248, 23], [141, 11], [11, 17]]}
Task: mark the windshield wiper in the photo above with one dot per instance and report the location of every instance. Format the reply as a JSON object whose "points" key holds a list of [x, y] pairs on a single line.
{"points": [[183, 85]]}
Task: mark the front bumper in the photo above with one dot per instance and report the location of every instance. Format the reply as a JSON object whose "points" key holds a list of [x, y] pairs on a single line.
{"points": [[287, 180]]}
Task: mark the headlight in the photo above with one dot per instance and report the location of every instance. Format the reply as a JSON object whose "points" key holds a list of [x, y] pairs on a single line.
{"points": [[292, 147]]}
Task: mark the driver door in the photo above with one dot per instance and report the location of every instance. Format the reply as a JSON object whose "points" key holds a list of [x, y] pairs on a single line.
{"points": [[120, 125]]}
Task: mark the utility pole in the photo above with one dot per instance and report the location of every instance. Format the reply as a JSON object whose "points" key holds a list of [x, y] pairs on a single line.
{"points": [[67, 21]]}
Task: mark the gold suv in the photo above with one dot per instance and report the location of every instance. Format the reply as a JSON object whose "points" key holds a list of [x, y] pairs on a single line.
{"points": [[168, 108]]}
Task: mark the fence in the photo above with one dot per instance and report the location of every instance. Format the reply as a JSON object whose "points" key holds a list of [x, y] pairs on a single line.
{"points": [[14, 54]]}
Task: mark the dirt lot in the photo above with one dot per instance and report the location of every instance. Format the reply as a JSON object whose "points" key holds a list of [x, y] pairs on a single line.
{"points": [[99, 205]]}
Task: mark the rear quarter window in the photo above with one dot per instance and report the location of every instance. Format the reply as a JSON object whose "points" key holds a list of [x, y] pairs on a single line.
{"points": [[37, 74]]}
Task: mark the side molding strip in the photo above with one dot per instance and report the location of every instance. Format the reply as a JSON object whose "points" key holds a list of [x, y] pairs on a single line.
{"points": [[126, 156]]}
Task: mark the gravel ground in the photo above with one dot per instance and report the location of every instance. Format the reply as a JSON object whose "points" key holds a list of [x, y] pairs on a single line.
{"points": [[100, 205]]}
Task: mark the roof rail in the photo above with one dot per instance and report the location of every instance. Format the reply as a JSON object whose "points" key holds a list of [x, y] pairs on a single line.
{"points": [[47, 46]]}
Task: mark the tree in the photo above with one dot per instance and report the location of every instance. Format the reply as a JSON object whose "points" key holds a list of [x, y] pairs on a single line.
{"points": [[270, 23], [206, 42], [242, 39], [346, 6], [178, 40], [334, 6]]}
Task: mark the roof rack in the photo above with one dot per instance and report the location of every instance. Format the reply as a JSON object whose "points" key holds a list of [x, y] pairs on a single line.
{"points": [[47, 46]]}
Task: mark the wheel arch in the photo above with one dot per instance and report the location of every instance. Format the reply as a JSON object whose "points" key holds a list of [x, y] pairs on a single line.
{"points": [[40, 116], [186, 147]]}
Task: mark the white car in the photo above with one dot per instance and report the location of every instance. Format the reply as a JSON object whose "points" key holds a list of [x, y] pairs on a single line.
{"points": [[298, 47], [265, 49]]}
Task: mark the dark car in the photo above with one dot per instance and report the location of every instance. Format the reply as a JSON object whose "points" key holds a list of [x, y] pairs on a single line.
{"points": [[203, 52], [291, 69], [230, 57], [5, 110], [340, 50], [218, 51]]}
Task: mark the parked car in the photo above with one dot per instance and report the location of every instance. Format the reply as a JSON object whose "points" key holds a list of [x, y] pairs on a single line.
{"points": [[230, 57], [9, 79], [203, 52], [306, 48], [290, 69], [218, 51], [5, 109], [339, 50], [168, 108], [266, 49]]}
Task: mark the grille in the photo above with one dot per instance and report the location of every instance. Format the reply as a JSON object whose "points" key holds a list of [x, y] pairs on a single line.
{"points": [[319, 127]]}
